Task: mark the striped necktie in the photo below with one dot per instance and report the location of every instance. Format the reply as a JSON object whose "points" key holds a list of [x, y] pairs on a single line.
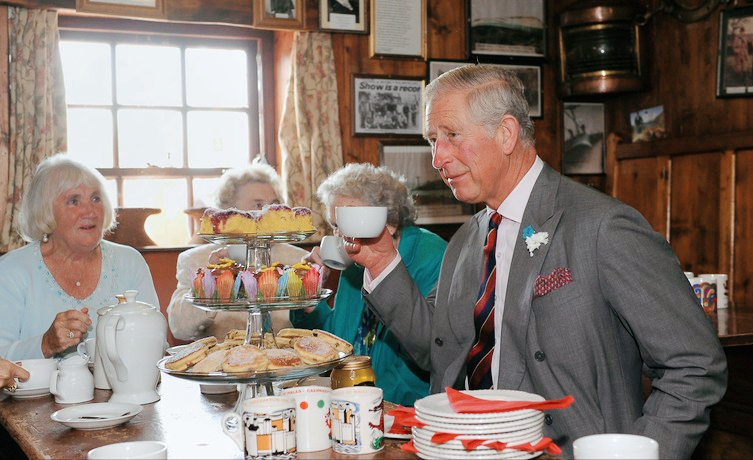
{"points": [[479, 362]]}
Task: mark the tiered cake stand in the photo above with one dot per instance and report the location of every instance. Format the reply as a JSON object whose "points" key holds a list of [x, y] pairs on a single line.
{"points": [[257, 256]]}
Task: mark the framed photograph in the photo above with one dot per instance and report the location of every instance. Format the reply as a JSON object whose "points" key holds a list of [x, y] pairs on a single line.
{"points": [[508, 27], [530, 75], [735, 56], [387, 106], [278, 14], [648, 124], [398, 28], [343, 16], [139, 8], [584, 138], [434, 201]]}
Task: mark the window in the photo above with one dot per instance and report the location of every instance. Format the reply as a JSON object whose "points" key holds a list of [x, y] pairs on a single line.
{"points": [[162, 114]]}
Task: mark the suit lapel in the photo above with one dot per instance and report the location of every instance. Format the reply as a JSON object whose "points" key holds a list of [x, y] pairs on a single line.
{"points": [[542, 214]]}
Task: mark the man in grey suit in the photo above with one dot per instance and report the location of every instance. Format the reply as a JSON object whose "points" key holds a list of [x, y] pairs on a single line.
{"points": [[586, 299]]}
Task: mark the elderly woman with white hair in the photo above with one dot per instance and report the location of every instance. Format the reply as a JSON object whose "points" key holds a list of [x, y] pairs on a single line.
{"points": [[51, 288]]}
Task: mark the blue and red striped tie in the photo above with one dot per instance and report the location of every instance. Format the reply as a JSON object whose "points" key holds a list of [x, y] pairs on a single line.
{"points": [[479, 362]]}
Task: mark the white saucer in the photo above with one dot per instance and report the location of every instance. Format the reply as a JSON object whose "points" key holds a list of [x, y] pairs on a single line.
{"points": [[388, 421], [113, 413], [28, 393]]}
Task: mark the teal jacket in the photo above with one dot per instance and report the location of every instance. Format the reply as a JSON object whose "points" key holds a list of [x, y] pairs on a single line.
{"points": [[396, 374]]}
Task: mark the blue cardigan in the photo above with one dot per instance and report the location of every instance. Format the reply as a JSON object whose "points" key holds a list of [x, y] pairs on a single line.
{"points": [[396, 374]]}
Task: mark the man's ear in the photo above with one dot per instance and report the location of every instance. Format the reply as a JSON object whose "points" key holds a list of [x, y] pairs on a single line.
{"points": [[507, 133]]}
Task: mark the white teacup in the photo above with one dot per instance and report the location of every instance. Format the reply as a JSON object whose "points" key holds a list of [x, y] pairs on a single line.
{"points": [[263, 427], [311, 417], [39, 370], [361, 221], [333, 253], [357, 415], [72, 382], [129, 450], [86, 349], [615, 445]]}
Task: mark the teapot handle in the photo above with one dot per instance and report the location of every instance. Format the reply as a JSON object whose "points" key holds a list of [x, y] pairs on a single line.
{"points": [[113, 322]]}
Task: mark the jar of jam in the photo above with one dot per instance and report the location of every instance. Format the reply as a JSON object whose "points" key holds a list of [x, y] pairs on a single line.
{"points": [[352, 372]]}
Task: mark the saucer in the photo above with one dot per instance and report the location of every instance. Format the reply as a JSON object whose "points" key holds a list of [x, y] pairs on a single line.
{"points": [[28, 393], [104, 415], [388, 421]]}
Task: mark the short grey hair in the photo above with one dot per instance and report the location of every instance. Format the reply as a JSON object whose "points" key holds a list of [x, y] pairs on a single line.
{"points": [[233, 179], [492, 91], [376, 186], [53, 177]]}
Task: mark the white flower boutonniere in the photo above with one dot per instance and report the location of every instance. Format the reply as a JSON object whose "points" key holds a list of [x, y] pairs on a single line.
{"points": [[534, 240]]}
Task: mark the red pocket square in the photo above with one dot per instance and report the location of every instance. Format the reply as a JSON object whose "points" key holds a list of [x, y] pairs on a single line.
{"points": [[547, 283]]}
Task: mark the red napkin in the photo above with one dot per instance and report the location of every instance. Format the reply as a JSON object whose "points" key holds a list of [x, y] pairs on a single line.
{"points": [[463, 403], [409, 447], [404, 417]]}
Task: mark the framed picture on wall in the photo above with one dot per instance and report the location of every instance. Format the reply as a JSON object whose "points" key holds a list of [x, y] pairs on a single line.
{"points": [[278, 14], [735, 56], [434, 201], [398, 28], [508, 27], [530, 75], [343, 16], [140, 8], [584, 138], [387, 106]]}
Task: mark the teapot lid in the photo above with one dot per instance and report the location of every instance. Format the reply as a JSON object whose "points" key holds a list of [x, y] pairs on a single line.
{"points": [[129, 302]]}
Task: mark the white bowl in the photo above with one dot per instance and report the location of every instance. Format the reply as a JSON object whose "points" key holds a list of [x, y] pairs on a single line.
{"points": [[615, 446], [361, 221], [130, 450]]}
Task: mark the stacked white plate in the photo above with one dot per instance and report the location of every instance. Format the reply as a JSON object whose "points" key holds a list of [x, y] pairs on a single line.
{"points": [[513, 427]]}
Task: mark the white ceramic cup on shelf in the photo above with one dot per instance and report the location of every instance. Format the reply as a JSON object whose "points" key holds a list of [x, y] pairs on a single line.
{"points": [[311, 417], [333, 253], [615, 446], [129, 450], [357, 414]]}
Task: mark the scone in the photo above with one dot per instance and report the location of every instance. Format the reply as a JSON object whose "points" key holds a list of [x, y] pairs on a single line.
{"points": [[282, 358], [211, 363], [235, 334], [314, 350], [284, 336], [338, 343], [209, 341], [245, 358], [187, 356], [228, 344]]}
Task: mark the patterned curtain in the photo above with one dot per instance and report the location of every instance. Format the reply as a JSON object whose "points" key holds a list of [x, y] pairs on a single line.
{"points": [[309, 134], [37, 108]]}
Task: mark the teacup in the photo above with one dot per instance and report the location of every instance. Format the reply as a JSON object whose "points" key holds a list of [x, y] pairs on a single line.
{"points": [[86, 349], [263, 427], [361, 221], [39, 370], [129, 450], [311, 417], [333, 253], [357, 420], [615, 445]]}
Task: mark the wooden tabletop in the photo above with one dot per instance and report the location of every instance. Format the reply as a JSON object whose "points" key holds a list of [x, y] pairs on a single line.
{"points": [[734, 326], [184, 418]]}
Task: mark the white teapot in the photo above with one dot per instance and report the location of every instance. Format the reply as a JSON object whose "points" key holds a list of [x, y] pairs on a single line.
{"points": [[132, 342]]}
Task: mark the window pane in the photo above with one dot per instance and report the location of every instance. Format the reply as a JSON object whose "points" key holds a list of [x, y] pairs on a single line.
{"points": [[148, 75], [216, 78], [150, 137], [217, 139], [111, 188], [170, 227], [203, 192], [86, 71], [90, 136]]}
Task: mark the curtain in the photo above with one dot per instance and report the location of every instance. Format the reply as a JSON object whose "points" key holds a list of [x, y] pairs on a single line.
{"points": [[37, 108], [309, 136]]}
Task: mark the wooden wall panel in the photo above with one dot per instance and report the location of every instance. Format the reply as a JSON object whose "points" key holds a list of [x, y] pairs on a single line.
{"points": [[742, 279], [642, 184]]}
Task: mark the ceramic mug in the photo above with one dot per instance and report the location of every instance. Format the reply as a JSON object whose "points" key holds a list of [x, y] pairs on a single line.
{"points": [[333, 253], [72, 382], [357, 420], [263, 427], [721, 279], [311, 417]]}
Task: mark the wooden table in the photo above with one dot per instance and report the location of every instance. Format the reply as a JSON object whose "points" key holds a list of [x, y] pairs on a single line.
{"points": [[184, 418]]}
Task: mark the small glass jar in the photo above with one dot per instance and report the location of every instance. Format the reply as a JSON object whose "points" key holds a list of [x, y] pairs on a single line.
{"points": [[352, 372]]}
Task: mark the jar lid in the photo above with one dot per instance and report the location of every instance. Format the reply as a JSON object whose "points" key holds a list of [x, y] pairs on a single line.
{"points": [[355, 362]]}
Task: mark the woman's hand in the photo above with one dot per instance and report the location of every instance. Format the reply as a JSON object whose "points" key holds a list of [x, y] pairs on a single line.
{"points": [[217, 254], [9, 372], [66, 331], [374, 254]]}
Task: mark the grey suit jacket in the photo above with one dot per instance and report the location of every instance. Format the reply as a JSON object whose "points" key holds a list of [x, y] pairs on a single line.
{"points": [[629, 309]]}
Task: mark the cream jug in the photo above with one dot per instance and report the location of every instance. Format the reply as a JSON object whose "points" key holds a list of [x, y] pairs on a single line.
{"points": [[133, 341]]}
